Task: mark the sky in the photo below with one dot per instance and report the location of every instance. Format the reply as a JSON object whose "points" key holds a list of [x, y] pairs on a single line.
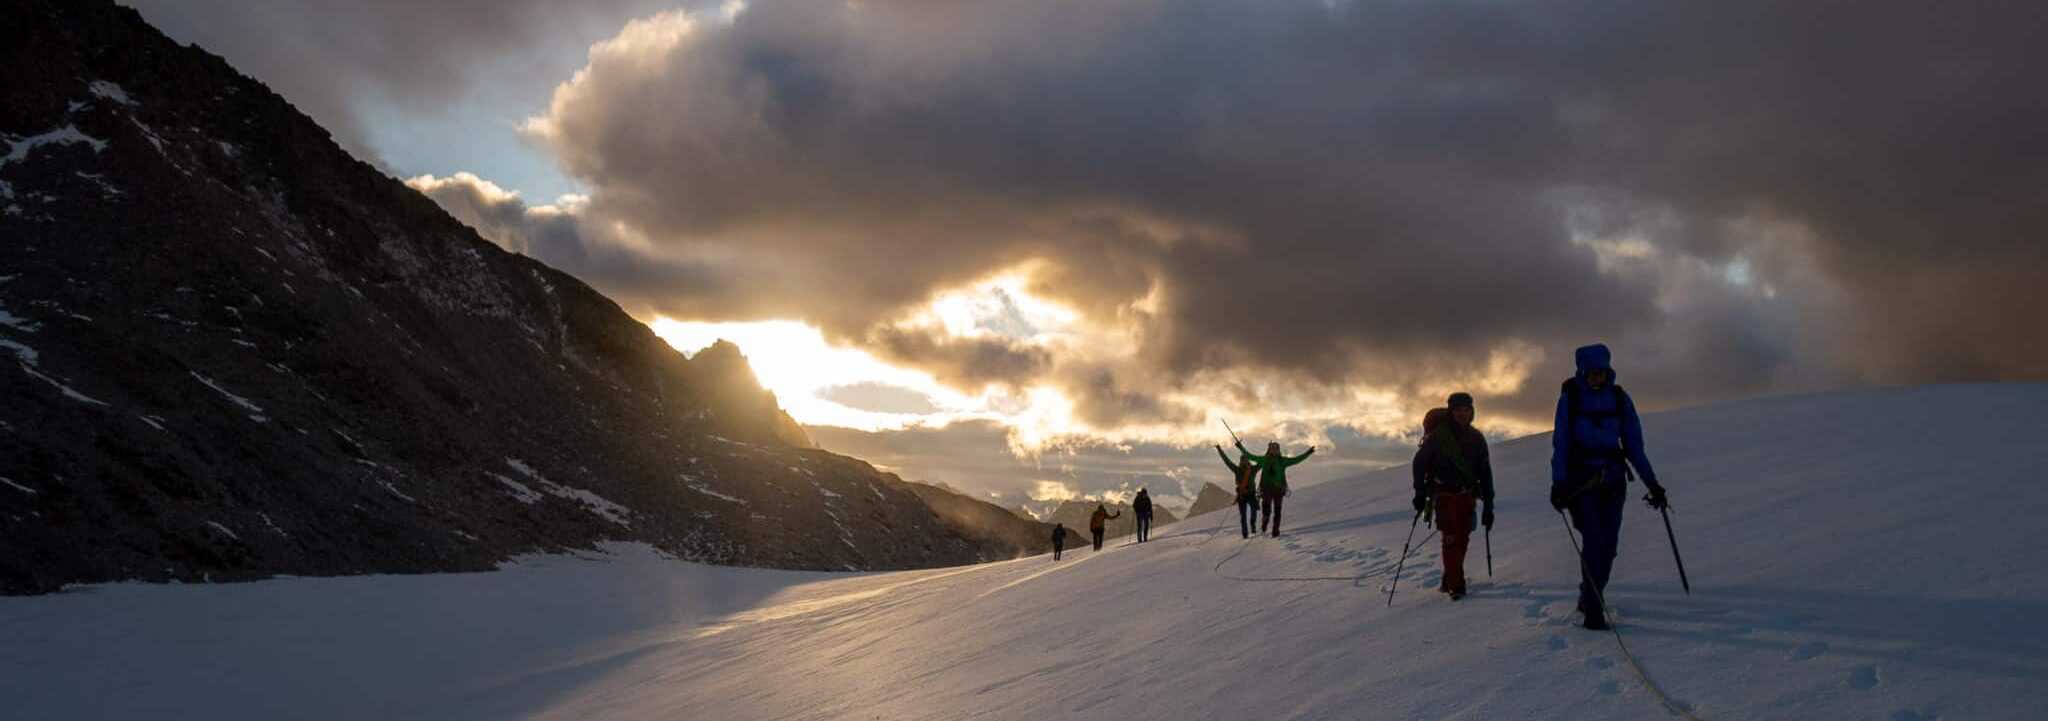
{"points": [[1043, 250]]}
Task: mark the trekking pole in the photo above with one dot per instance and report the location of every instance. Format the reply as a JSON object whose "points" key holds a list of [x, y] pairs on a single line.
{"points": [[1404, 559], [1233, 433], [1682, 580]]}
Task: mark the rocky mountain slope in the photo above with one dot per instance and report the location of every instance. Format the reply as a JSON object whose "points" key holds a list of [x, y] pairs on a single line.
{"points": [[1000, 532], [1074, 515], [228, 349], [1212, 498]]}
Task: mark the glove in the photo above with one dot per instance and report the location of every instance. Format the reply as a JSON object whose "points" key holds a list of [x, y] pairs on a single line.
{"points": [[1486, 517], [1656, 499], [1558, 498], [1420, 503]]}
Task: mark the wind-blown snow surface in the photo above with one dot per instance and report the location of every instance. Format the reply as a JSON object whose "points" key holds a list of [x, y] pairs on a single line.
{"points": [[1870, 556]]}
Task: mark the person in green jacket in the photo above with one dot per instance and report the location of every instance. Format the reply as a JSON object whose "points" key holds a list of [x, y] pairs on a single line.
{"points": [[1272, 480]]}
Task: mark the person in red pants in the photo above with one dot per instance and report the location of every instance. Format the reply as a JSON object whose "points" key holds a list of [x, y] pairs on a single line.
{"points": [[1452, 466]]}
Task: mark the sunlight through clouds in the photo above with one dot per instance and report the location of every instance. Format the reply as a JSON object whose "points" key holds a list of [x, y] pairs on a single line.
{"points": [[793, 361]]}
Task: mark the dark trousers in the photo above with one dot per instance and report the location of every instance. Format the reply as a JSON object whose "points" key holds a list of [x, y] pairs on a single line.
{"points": [[1597, 515], [1058, 544], [1144, 527], [1098, 537], [1247, 514], [1270, 503]]}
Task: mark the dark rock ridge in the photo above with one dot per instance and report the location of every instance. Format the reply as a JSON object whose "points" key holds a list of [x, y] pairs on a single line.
{"points": [[1212, 498], [230, 350], [1001, 533], [1075, 514]]}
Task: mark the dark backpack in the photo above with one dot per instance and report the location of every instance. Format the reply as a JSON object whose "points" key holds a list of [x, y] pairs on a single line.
{"points": [[1448, 437], [1574, 396]]}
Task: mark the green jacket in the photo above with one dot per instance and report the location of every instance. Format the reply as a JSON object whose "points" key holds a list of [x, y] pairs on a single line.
{"points": [[1273, 469]]}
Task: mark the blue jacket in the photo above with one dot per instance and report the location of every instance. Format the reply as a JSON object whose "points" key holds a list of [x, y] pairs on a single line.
{"points": [[1603, 427]]}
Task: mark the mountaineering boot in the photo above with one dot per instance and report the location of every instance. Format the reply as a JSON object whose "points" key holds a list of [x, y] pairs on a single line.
{"points": [[1456, 595], [1596, 621]]}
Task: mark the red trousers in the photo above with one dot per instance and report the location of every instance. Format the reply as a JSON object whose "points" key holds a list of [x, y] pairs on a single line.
{"points": [[1454, 519]]}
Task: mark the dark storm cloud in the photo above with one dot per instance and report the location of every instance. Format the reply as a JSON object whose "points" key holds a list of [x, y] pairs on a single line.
{"points": [[560, 236], [968, 363], [1325, 194], [1363, 191]]}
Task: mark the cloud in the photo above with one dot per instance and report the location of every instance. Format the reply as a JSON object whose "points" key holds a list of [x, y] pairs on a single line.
{"points": [[1051, 491], [1333, 213], [563, 235], [880, 398], [975, 456], [967, 363], [343, 62]]}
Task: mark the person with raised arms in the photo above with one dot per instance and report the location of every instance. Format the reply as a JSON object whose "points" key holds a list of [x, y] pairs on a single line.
{"points": [[1272, 481]]}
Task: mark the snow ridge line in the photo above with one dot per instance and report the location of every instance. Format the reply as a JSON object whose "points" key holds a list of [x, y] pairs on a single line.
{"points": [[1641, 674]]}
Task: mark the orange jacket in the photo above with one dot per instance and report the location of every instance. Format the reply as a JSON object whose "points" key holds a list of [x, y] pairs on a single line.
{"points": [[1095, 521]]}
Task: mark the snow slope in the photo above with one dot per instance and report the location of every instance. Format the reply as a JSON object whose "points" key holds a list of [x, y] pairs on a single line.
{"points": [[1865, 556]]}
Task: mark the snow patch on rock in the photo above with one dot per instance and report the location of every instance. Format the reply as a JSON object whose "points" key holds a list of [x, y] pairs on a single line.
{"points": [[596, 504], [701, 487], [18, 323], [519, 490], [237, 400], [224, 530], [19, 147], [109, 91], [68, 391], [25, 353]]}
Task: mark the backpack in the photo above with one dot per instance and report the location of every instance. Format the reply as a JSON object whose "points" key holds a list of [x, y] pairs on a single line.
{"points": [[1573, 395], [1247, 479], [1435, 417], [1449, 438]]}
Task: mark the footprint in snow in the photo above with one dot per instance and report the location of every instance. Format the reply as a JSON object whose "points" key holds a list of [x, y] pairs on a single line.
{"points": [[1600, 662], [1864, 678], [1610, 687], [1809, 651], [1538, 609], [1557, 643]]}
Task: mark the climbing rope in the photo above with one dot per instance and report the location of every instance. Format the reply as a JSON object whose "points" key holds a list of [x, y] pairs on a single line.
{"points": [[1655, 690], [1218, 569], [1662, 698]]}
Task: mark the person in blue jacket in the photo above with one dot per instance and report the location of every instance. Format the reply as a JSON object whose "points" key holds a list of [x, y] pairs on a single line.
{"points": [[1598, 439]]}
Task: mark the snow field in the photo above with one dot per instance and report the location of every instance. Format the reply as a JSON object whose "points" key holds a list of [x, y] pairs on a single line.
{"points": [[1853, 556]]}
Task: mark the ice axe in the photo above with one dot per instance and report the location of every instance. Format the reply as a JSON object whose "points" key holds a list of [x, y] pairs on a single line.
{"points": [[1233, 434], [1489, 553], [1665, 511]]}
